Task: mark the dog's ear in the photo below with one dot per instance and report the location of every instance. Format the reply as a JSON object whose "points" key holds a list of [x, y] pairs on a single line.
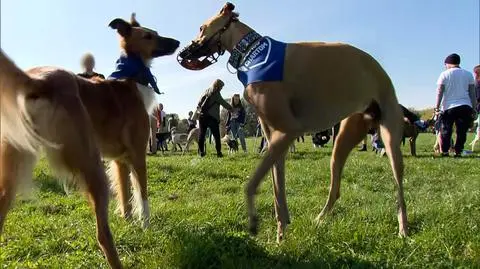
{"points": [[227, 8], [123, 28], [133, 20]]}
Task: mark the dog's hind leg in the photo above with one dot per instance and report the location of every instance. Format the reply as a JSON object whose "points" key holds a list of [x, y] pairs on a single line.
{"points": [[79, 156], [119, 174], [391, 131], [352, 131], [413, 143], [16, 168]]}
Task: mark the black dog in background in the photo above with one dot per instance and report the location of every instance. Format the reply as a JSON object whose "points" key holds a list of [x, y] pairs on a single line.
{"points": [[321, 139]]}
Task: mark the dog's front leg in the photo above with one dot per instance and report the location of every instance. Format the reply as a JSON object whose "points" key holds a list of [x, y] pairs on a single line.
{"points": [[277, 147], [281, 209]]}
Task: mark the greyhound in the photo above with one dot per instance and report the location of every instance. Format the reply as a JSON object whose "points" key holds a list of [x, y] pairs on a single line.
{"points": [[303, 87]]}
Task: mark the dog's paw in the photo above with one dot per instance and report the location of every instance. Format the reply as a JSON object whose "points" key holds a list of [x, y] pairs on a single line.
{"points": [[145, 223], [320, 219], [403, 233]]}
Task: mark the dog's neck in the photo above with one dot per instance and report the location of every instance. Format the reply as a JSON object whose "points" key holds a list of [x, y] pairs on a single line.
{"points": [[242, 47], [234, 35]]}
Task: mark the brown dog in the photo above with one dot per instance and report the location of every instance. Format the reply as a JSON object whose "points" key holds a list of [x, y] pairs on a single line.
{"points": [[320, 84], [76, 121], [410, 131]]}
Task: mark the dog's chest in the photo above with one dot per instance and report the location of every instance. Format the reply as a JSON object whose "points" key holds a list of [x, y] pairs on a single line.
{"points": [[263, 62], [148, 97]]}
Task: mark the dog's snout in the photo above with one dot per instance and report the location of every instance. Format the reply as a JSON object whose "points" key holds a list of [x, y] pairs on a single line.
{"points": [[177, 43]]}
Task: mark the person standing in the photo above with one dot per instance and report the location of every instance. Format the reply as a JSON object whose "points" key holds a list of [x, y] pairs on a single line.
{"points": [[209, 106], [153, 132], [455, 102], [192, 124], [236, 121], [88, 64], [162, 127]]}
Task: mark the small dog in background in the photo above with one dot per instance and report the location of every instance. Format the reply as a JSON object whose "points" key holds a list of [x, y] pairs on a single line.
{"points": [[320, 139], [178, 139], [162, 141], [231, 143], [192, 137]]}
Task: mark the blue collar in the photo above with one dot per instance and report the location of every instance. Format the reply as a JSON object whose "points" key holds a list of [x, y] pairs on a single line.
{"points": [[242, 48], [130, 66]]}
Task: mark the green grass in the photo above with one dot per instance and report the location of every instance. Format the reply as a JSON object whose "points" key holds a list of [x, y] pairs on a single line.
{"points": [[206, 226]]}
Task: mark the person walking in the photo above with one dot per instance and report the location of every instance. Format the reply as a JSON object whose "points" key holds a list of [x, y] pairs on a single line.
{"points": [[88, 64], [209, 106], [236, 121], [456, 99]]}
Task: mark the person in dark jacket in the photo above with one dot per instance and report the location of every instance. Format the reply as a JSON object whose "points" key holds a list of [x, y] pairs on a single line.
{"points": [[88, 64], [192, 124], [209, 105], [236, 120]]}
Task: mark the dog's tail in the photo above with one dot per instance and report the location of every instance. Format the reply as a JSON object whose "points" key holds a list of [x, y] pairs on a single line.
{"points": [[17, 126]]}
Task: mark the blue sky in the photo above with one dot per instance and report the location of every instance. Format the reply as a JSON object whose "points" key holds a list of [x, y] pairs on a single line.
{"points": [[410, 38]]}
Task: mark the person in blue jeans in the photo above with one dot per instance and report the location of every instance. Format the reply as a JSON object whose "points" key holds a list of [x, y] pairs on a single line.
{"points": [[236, 120]]}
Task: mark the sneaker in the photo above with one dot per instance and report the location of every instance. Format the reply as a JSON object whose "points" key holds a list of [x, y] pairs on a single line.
{"points": [[443, 154], [202, 154], [220, 155], [457, 155]]}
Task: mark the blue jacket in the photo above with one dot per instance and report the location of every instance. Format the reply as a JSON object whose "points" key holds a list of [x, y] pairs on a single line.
{"points": [[241, 115], [133, 67]]}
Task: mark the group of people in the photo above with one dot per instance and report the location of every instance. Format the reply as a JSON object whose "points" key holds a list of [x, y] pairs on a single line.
{"points": [[208, 117], [457, 103], [208, 112]]}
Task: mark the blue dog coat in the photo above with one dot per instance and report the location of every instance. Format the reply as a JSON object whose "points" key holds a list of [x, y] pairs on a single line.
{"points": [[263, 62], [132, 66]]}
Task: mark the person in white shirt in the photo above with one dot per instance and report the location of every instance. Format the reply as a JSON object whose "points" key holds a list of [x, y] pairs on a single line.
{"points": [[455, 102]]}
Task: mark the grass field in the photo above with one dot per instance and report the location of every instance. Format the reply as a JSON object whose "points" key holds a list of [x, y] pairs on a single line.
{"points": [[205, 227]]}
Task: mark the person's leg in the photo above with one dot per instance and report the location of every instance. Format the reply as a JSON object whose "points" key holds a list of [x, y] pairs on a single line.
{"points": [[201, 137], [234, 126], [153, 135], [262, 142], [209, 135], [215, 130], [241, 136], [463, 120], [446, 131]]}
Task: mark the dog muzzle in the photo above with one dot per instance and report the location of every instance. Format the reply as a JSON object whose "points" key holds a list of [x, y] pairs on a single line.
{"points": [[198, 56]]}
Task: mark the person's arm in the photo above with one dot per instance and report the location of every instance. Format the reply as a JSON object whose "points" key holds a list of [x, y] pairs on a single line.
{"points": [[223, 103], [440, 92]]}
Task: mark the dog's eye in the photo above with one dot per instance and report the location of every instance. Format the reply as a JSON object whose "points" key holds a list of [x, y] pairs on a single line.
{"points": [[148, 36]]}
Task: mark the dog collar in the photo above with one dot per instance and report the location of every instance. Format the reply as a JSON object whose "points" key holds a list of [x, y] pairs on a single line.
{"points": [[242, 47]]}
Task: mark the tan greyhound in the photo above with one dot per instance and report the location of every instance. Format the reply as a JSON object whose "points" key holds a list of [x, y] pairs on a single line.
{"points": [[76, 120], [301, 87]]}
